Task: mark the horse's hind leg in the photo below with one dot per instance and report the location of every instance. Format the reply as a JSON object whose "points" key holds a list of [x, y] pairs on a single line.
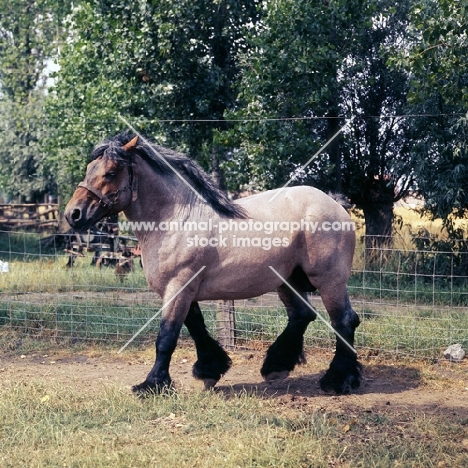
{"points": [[288, 349], [213, 361], [344, 373]]}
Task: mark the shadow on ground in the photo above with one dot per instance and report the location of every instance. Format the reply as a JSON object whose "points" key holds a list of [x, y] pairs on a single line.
{"points": [[377, 378]]}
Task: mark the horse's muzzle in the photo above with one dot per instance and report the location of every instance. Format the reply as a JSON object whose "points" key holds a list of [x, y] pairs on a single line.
{"points": [[80, 218]]}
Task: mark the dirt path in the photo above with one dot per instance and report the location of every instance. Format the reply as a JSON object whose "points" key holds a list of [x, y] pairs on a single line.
{"points": [[439, 389]]}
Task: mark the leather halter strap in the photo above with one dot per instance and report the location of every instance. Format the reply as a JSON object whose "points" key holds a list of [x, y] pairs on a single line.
{"points": [[111, 199], [104, 200]]}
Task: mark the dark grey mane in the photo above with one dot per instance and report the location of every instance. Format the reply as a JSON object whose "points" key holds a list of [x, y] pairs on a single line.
{"points": [[162, 160]]}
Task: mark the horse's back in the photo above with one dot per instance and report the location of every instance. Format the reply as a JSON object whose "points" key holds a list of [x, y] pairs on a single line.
{"points": [[293, 203], [323, 240]]}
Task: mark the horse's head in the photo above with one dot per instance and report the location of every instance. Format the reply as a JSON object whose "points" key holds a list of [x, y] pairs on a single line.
{"points": [[108, 188]]}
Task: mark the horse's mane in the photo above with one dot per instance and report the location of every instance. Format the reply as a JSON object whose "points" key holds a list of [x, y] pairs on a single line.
{"points": [[165, 161]]}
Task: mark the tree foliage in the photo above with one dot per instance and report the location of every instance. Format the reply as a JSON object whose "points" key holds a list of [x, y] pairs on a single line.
{"points": [[378, 159], [302, 69], [437, 61], [290, 77], [256, 86], [28, 33]]}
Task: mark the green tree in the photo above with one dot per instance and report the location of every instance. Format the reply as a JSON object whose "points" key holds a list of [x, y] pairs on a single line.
{"points": [[28, 39], [291, 76], [314, 59], [437, 61], [378, 158]]}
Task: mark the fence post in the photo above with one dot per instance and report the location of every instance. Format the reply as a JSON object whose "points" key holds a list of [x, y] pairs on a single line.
{"points": [[226, 324]]}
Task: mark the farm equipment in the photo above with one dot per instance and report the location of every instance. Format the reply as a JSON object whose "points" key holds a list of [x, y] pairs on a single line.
{"points": [[109, 248]]}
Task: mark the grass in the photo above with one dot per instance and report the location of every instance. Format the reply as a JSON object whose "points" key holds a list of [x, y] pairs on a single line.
{"points": [[407, 289], [49, 274], [386, 328], [45, 425], [403, 275]]}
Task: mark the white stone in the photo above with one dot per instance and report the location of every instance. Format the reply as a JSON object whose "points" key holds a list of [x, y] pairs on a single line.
{"points": [[454, 353]]}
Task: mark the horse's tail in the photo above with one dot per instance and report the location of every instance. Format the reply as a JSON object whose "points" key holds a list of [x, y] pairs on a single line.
{"points": [[341, 200]]}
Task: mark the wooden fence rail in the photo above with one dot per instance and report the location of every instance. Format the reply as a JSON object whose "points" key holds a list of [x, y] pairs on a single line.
{"points": [[31, 216]]}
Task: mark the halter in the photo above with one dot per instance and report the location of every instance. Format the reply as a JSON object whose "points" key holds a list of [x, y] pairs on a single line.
{"points": [[108, 201]]}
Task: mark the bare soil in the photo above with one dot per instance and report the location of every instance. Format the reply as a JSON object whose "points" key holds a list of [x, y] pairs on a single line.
{"points": [[439, 389]]}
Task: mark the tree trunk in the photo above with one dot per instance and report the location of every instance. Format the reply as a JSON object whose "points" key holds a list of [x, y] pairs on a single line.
{"points": [[216, 172], [376, 200], [379, 223], [334, 153]]}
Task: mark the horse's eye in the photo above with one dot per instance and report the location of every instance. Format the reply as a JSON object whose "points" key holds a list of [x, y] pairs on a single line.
{"points": [[110, 174]]}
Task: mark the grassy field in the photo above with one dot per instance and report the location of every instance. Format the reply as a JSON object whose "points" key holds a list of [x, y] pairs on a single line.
{"points": [[49, 421], [55, 427], [384, 328]]}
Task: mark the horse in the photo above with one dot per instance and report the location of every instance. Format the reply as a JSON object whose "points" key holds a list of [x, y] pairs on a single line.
{"points": [[197, 244]]}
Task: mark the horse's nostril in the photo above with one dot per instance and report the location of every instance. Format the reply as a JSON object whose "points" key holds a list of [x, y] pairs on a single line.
{"points": [[76, 214]]}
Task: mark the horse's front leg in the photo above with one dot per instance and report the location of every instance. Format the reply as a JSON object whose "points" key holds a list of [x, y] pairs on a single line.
{"points": [[213, 361], [158, 380]]}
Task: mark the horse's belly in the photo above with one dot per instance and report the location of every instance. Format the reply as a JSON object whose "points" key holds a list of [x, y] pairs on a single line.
{"points": [[242, 281], [234, 290]]}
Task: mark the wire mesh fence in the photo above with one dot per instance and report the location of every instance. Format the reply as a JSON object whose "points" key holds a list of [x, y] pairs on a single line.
{"points": [[410, 301]]}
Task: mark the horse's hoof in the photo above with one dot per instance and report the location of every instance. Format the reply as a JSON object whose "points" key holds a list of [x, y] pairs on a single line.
{"points": [[341, 384], [147, 389], [209, 383], [276, 375]]}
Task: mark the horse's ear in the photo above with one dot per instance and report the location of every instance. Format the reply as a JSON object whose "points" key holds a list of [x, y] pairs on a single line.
{"points": [[131, 144]]}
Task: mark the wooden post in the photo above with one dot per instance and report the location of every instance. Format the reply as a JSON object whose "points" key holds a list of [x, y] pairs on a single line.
{"points": [[63, 224], [226, 324]]}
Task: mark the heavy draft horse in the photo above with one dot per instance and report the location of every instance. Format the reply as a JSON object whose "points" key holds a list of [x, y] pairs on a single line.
{"points": [[158, 186]]}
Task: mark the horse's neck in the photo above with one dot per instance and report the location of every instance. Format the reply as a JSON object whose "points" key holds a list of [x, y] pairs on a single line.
{"points": [[161, 197]]}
